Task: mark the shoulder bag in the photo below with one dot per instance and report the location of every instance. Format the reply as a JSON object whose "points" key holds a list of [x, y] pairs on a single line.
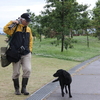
{"points": [[4, 61]]}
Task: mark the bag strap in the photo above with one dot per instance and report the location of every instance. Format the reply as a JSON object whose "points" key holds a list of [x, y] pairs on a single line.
{"points": [[12, 36], [23, 31]]}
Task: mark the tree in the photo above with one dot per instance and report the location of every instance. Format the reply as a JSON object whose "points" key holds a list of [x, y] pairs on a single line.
{"points": [[59, 16], [81, 16], [62, 15], [32, 23], [96, 18], [35, 24]]}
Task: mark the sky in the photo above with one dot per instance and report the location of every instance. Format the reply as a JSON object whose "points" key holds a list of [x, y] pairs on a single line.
{"points": [[12, 9], [88, 2]]}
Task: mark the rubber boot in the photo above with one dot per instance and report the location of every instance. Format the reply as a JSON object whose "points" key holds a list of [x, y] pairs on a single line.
{"points": [[24, 83], [16, 86]]}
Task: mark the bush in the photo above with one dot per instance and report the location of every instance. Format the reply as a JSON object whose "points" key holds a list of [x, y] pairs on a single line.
{"points": [[68, 42]]}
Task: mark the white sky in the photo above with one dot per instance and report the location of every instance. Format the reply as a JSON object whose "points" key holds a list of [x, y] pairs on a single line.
{"points": [[12, 9], [89, 2]]}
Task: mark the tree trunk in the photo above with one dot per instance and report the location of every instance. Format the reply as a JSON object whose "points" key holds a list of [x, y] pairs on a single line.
{"points": [[71, 34], [62, 46], [40, 37], [87, 39], [62, 15], [99, 36]]}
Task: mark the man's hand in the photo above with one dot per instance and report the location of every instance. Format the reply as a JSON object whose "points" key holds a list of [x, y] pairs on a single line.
{"points": [[15, 21]]}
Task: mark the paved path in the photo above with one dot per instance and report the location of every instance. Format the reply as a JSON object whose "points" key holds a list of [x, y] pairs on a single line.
{"points": [[85, 84]]}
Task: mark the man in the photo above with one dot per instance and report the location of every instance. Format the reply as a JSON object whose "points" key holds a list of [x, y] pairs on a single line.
{"points": [[22, 41]]}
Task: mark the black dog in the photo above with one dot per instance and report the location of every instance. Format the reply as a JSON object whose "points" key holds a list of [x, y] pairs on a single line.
{"points": [[64, 79]]}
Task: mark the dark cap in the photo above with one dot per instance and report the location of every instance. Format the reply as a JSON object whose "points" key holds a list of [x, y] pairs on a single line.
{"points": [[26, 16]]}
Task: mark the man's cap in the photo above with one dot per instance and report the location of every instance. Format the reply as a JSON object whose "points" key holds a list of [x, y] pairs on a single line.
{"points": [[26, 16]]}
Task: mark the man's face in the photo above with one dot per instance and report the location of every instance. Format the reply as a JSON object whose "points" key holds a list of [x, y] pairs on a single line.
{"points": [[24, 22]]}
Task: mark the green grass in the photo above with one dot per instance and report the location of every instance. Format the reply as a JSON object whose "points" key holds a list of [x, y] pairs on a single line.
{"points": [[80, 52], [46, 59]]}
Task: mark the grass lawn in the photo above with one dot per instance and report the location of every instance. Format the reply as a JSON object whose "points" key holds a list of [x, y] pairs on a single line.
{"points": [[80, 52], [45, 62]]}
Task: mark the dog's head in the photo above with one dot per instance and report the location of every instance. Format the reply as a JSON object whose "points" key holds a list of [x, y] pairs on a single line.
{"points": [[58, 73]]}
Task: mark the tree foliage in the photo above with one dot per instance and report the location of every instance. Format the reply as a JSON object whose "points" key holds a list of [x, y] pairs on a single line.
{"points": [[96, 18]]}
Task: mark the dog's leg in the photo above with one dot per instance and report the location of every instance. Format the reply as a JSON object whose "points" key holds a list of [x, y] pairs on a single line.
{"points": [[69, 91], [62, 90], [56, 80], [66, 89]]}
